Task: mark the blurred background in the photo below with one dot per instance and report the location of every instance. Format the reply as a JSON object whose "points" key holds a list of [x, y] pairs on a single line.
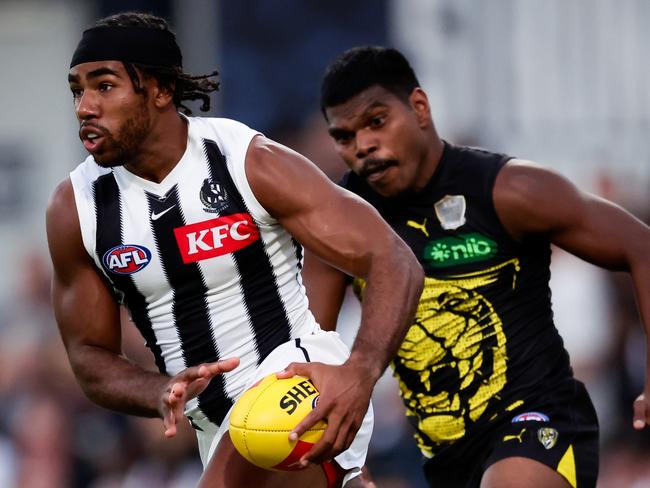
{"points": [[564, 83]]}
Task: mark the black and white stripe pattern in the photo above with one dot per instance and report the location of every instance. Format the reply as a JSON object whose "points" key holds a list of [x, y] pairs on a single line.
{"points": [[243, 303], [108, 233], [264, 307], [189, 307]]}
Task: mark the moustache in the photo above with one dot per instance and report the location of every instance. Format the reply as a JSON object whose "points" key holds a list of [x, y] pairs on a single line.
{"points": [[373, 165]]}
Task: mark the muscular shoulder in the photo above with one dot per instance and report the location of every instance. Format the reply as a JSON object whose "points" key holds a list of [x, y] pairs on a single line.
{"points": [[532, 199], [63, 231], [265, 155], [61, 203], [282, 180]]}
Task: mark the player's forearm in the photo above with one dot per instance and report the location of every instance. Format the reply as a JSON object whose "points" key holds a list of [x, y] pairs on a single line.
{"points": [[394, 286], [114, 382], [641, 278]]}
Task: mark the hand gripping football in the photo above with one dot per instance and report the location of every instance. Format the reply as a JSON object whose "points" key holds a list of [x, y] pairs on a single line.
{"points": [[263, 417]]}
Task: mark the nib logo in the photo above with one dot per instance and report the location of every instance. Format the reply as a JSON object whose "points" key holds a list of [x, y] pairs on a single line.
{"points": [[215, 237], [465, 248]]}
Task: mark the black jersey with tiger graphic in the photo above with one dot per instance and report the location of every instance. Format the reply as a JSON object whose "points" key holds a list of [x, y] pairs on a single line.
{"points": [[483, 344]]}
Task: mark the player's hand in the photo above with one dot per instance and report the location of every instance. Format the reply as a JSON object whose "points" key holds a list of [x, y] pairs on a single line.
{"points": [[186, 385], [345, 392], [641, 411]]}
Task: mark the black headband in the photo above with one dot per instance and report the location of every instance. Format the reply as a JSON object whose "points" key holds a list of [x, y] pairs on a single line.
{"points": [[152, 47]]}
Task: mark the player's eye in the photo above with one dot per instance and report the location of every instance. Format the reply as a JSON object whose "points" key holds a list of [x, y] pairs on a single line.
{"points": [[377, 121], [76, 92], [343, 139], [104, 87]]}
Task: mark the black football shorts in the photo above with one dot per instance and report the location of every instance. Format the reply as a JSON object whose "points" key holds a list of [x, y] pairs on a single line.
{"points": [[560, 432]]}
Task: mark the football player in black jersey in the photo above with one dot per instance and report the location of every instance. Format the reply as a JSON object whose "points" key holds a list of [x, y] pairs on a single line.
{"points": [[483, 373]]}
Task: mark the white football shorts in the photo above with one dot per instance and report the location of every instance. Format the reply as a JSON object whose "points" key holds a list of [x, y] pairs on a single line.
{"points": [[321, 346]]}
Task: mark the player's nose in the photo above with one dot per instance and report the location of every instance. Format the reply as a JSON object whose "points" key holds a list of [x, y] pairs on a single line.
{"points": [[366, 143], [87, 106]]}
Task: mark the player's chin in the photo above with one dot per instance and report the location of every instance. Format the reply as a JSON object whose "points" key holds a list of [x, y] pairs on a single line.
{"points": [[387, 189], [107, 160]]}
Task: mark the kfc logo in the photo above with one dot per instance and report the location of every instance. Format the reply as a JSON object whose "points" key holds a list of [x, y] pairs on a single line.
{"points": [[216, 237]]}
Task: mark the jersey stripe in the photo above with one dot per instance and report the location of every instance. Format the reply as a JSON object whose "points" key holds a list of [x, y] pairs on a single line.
{"points": [[299, 252], [108, 212], [264, 305], [190, 310]]}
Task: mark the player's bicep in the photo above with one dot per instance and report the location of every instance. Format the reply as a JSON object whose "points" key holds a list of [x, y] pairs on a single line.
{"points": [[531, 200], [333, 223], [83, 305]]}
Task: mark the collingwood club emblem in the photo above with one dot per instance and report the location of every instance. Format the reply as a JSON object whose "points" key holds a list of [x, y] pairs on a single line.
{"points": [[450, 211], [213, 196]]}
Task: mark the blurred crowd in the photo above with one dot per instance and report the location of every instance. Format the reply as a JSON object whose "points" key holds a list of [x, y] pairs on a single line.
{"points": [[51, 436]]}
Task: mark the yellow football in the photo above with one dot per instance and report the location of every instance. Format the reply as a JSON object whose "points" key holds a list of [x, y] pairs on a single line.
{"points": [[263, 417]]}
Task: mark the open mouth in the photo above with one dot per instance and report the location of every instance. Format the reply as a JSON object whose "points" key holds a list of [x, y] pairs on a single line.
{"points": [[91, 137], [375, 169]]}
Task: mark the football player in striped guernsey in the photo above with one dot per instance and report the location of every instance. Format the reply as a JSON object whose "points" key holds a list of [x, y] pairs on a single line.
{"points": [[196, 225]]}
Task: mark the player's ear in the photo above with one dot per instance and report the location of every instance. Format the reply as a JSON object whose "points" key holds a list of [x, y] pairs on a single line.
{"points": [[163, 94], [420, 104]]}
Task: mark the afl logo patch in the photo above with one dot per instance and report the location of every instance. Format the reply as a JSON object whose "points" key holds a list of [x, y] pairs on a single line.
{"points": [[530, 416], [126, 259]]}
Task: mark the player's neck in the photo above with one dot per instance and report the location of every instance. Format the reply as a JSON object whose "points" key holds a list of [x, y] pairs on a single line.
{"points": [[162, 150], [430, 161]]}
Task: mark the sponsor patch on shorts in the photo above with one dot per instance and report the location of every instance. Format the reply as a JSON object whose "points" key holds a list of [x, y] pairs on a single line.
{"points": [[530, 417]]}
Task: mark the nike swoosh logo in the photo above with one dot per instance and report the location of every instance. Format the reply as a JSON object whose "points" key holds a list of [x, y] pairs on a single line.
{"points": [[156, 216]]}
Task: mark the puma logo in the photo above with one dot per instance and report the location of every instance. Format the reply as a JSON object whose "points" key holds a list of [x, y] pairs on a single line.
{"points": [[513, 437], [422, 226]]}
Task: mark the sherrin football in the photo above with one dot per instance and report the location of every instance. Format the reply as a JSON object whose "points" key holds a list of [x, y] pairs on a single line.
{"points": [[263, 417]]}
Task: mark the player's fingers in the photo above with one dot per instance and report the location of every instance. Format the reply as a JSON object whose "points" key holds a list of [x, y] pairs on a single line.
{"points": [[351, 434], [303, 426], [321, 450], [196, 387], [640, 408], [300, 369], [176, 393], [344, 437], [169, 422], [208, 370]]}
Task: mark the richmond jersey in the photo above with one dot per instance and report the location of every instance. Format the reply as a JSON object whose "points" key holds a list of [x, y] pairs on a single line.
{"points": [[204, 270], [483, 345]]}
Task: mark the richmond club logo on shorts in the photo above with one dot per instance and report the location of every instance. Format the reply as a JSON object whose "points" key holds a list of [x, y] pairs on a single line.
{"points": [[126, 259]]}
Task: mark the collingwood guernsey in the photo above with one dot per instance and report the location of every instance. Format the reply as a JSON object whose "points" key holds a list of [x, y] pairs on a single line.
{"points": [[204, 270]]}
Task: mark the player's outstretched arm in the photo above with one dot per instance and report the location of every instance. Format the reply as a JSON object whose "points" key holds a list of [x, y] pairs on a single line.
{"points": [[88, 320], [533, 200], [347, 233]]}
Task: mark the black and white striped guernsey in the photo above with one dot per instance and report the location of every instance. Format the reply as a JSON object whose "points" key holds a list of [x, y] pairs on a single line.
{"points": [[204, 270]]}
